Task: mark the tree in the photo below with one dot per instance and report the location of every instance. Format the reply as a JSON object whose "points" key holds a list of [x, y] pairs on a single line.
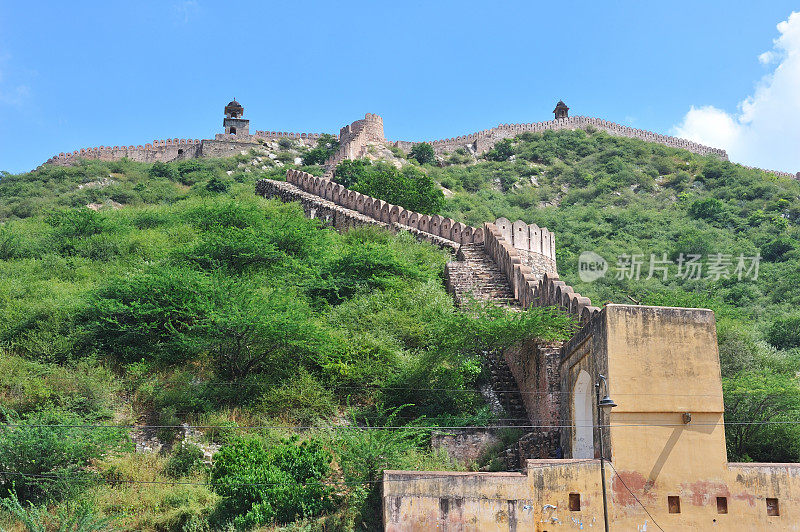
{"points": [[784, 333], [326, 146], [246, 331], [423, 153], [349, 171], [410, 187]]}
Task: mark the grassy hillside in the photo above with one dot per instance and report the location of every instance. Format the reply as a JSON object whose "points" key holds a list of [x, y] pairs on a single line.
{"points": [[187, 299]]}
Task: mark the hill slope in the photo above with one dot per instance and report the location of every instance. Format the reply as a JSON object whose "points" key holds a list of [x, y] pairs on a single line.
{"points": [[184, 298]]}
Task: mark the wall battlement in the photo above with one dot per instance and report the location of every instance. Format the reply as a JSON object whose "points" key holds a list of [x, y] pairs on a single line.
{"points": [[483, 140], [538, 244]]}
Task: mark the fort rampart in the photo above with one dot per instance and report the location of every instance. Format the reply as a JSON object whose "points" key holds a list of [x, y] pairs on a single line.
{"points": [[484, 140], [353, 141], [223, 145]]}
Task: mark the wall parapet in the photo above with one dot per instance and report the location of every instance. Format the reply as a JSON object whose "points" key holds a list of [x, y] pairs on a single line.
{"points": [[138, 152], [383, 211], [503, 131], [530, 289]]}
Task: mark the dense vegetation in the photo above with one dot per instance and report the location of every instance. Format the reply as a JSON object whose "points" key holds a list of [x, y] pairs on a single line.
{"points": [[187, 299]]}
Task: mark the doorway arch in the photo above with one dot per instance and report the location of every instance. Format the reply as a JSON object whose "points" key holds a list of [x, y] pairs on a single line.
{"points": [[582, 417]]}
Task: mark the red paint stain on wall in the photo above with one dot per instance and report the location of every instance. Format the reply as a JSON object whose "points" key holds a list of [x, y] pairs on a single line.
{"points": [[635, 482]]}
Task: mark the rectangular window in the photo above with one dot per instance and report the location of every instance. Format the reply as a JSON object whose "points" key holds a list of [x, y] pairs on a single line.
{"points": [[574, 502], [722, 505], [674, 503], [772, 506]]}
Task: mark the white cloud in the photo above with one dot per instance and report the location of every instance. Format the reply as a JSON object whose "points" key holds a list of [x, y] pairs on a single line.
{"points": [[767, 57], [765, 131]]}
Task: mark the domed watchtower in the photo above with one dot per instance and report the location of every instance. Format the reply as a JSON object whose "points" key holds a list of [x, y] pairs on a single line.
{"points": [[561, 110], [233, 123]]}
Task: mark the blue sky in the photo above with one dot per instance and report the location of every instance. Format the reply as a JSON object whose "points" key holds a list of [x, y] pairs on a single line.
{"points": [[82, 74]]}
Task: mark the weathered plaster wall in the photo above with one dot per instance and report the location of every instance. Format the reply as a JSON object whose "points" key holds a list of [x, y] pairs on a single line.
{"points": [[449, 501]]}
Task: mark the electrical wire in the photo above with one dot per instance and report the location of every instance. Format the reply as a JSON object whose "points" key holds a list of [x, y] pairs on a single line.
{"points": [[392, 427], [634, 496], [422, 475]]}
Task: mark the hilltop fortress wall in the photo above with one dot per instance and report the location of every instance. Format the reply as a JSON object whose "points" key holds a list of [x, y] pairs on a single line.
{"points": [[158, 150], [355, 138], [223, 145], [482, 141]]}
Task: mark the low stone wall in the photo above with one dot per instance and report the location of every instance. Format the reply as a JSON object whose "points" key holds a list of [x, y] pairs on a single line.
{"points": [[469, 445]]}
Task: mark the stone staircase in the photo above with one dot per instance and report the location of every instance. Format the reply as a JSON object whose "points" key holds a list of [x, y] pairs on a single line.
{"points": [[474, 275], [505, 391]]}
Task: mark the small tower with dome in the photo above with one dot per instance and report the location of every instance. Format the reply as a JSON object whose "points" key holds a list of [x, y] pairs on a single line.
{"points": [[561, 110], [233, 123]]}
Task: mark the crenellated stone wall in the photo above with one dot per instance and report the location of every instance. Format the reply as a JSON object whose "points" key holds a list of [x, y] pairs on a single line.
{"points": [[158, 150], [355, 138], [385, 212], [531, 287], [484, 140]]}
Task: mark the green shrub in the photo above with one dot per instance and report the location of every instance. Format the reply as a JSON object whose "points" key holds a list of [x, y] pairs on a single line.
{"points": [[326, 146], [784, 333], [349, 171], [710, 209], [301, 399], [776, 250], [164, 170], [263, 484], [410, 187], [423, 153], [44, 456], [185, 459], [217, 185], [502, 151], [73, 518]]}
